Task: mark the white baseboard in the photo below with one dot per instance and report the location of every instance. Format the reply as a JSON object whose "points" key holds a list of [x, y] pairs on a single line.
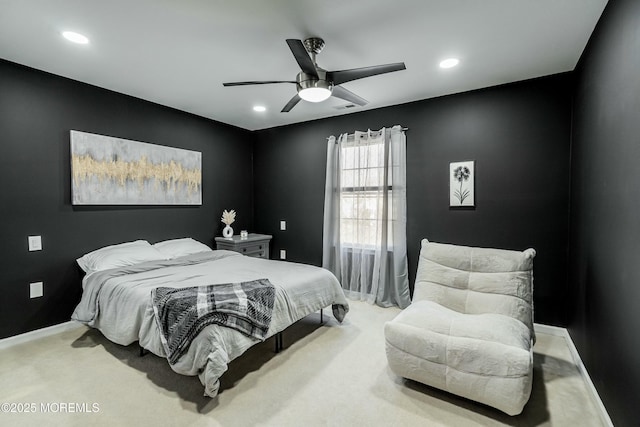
{"points": [[563, 332], [39, 333], [556, 331]]}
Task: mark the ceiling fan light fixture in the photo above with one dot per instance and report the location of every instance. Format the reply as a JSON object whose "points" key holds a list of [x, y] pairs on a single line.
{"points": [[314, 94], [314, 90]]}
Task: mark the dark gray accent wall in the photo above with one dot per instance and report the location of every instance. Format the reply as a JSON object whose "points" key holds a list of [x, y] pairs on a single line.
{"points": [[518, 135], [37, 111], [605, 206]]}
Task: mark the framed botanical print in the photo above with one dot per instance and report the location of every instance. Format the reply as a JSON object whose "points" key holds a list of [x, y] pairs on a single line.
{"points": [[461, 184]]}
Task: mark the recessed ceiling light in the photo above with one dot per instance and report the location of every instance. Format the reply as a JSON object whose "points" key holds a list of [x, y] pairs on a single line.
{"points": [[75, 37], [450, 62], [259, 108]]}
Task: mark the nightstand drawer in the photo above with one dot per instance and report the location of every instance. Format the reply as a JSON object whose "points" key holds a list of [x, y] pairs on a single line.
{"points": [[258, 251]]}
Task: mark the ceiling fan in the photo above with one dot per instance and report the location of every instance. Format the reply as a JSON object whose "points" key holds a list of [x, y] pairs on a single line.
{"points": [[315, 84]]}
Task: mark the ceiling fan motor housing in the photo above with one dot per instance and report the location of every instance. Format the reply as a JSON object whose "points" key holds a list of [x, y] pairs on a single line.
{"points": [[305, 81]]}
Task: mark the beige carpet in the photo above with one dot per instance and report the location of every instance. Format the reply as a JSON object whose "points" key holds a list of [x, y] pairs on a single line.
{"points": [[330, 375]]}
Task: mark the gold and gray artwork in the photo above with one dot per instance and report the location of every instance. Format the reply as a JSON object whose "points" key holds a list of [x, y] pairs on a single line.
{"points": [[115, 171]]}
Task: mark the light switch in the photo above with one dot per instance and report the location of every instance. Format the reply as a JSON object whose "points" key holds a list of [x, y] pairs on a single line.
{"points": [[283, 254], [283, 225], [36, 289], [35, 243]]}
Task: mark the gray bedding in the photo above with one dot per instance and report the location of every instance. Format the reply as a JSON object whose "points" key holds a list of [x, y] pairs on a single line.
{"points": [[118, 303]]}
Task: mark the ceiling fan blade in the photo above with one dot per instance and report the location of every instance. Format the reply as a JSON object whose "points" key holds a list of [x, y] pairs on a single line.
{"points": [[292, 103], [256, 83], [302, 57], [339, 77], [347, 95]]}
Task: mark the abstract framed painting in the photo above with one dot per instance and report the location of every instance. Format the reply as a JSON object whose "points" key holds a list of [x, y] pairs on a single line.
{"points": [[461, 184], [114, 171]]}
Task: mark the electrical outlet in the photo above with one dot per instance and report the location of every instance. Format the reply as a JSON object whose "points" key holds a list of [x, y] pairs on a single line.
{"points": [[283, 225], [35, 243], [36, 289], [283, 254]]}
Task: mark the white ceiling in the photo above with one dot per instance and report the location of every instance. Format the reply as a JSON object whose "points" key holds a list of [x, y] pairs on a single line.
{"points": [[178, 53]]}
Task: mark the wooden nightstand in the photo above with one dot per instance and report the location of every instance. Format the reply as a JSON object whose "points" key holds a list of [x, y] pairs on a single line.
{"points": [[255, 245]]}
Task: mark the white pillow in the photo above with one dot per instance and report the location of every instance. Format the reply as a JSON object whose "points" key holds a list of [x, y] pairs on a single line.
{"points": [[120, 255], [181, 247]]}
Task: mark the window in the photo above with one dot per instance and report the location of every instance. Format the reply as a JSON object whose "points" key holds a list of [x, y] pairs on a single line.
{"points": [[363, 182]]}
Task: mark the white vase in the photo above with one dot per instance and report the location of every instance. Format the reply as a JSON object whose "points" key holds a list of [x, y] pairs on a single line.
{"points": [[227, 231]]}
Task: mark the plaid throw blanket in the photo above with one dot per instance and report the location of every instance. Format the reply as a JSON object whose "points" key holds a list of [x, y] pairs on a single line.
{"points": [[182, 313]]}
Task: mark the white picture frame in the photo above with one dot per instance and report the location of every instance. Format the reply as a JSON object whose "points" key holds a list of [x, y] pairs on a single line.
{"points": [[462, 184]]}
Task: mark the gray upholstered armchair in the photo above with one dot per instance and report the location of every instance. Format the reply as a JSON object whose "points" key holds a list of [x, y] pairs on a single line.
{"points": [[469, 328]]}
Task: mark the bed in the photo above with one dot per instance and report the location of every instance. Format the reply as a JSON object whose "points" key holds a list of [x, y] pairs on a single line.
{"points": [[116, 298]]}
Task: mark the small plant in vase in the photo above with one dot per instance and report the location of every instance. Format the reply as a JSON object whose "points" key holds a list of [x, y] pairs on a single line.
{"points": [[228, 217]]}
